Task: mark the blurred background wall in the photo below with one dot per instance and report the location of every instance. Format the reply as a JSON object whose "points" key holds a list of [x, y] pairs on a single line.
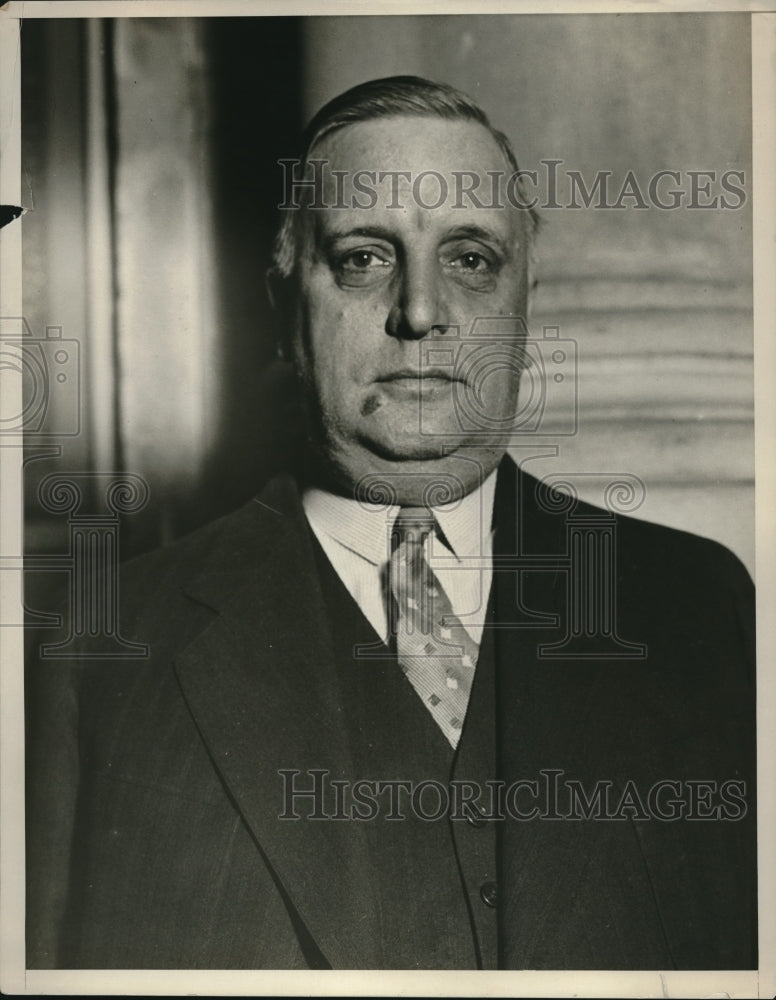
{"points": [[150, 151]]}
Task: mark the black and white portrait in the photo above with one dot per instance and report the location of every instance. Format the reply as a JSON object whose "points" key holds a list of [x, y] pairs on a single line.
{"points": [[384, 418]]}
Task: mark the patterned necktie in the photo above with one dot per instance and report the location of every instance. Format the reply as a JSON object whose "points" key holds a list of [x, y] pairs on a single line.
{"points": [[433, 648]]}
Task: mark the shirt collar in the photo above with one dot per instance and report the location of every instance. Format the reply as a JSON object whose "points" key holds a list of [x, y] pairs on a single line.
{"points": [[366, 528], [466, 524]]}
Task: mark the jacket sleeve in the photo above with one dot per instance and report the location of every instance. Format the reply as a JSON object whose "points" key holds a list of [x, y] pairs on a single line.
{"points": [[52, 778]]}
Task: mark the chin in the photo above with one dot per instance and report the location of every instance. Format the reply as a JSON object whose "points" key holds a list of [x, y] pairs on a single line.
{"points": [[412, 464], [414, 448]]}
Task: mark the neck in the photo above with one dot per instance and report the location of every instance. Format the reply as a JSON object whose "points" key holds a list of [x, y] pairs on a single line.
{"points": [[408, 483]]}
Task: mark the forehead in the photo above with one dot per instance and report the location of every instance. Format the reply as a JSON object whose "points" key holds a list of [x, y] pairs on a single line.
{"points": [[413, 143], [414, 171]]}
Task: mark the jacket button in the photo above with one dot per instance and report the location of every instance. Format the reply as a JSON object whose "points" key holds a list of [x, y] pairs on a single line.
{"points": [[489, 893]]}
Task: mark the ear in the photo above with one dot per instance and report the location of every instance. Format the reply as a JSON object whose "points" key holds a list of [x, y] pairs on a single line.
{"points": [[273, 283], [281, 298]]}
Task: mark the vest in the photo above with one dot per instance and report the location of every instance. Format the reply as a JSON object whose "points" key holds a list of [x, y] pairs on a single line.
{"points": [[432, 853]]}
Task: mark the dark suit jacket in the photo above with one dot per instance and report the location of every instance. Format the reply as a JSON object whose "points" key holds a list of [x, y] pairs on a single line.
{"points": [[153, 831]]}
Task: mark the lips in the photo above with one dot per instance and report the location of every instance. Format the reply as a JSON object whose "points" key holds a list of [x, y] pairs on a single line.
{"points": [[408, 386], [419, 375]]}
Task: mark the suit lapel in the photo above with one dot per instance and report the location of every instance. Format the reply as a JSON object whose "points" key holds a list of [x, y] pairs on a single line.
{"points": [[261, 685]]}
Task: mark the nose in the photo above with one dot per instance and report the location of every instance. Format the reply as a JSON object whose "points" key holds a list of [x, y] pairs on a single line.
{"points": [[417, 308]]}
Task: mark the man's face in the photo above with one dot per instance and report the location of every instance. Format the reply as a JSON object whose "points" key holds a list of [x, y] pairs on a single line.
{"points": [[375, 284]]}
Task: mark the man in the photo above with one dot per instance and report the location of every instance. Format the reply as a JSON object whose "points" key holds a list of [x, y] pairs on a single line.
{"points": [[407, 708]]}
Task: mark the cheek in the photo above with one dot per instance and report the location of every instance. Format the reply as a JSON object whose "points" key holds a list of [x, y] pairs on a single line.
{"points": [[335, 357], [507, 298], [320, 319], [512, 295], [344, 336]]}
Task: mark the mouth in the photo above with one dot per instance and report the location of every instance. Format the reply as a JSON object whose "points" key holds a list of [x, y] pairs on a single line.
{"points": [[419, 375], [411, 385]]}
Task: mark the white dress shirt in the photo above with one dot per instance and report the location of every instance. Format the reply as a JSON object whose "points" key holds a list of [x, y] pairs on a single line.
{"points": [[356, 537]]}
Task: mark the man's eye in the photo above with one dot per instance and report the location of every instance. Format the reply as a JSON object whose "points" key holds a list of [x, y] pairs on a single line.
{"points": [[473, 261], [361, 267], [473, 270], [362, 260]]}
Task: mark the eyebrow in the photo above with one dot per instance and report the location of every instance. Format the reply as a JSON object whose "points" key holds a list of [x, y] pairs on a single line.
{"points": [[469, 231], [370, 232]]}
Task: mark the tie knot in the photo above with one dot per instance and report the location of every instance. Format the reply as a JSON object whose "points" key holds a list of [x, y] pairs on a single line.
{"points": [[412, 525]]}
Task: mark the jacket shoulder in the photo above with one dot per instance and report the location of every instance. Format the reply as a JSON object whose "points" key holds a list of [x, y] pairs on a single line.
{"points": [[639, 541], [217, 556]]}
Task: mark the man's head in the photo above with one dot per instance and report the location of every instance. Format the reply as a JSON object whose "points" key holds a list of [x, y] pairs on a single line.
{"points": [[407, 242]]}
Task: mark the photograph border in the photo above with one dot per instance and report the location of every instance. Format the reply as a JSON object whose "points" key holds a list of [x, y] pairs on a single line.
{"points": [[14, 979]]}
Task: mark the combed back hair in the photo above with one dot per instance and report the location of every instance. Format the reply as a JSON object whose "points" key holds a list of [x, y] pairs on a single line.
{"points": [[392, 95]]}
